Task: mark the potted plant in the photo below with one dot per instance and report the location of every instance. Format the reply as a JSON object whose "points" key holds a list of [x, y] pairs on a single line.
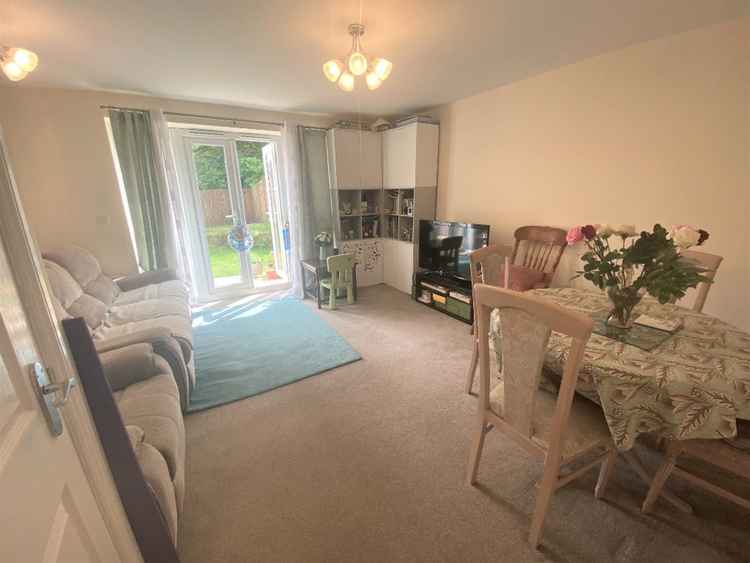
{"points": [[647, 263], [323, 239]]}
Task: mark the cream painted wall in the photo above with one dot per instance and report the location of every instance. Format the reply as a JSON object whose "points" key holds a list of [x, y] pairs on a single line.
{"points": [[63, 165], [657, 132]]}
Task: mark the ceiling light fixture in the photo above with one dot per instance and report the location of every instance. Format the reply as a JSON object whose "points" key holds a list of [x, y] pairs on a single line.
{"points": [[356, 64], [17, 62]]}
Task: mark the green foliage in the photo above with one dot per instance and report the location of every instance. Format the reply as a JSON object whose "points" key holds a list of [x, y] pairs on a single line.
{"points": [[651, 263], [211, 170]]}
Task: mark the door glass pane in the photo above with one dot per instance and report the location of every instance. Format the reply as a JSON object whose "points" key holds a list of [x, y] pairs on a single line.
{"points": [[258, 212], [218, 213]]}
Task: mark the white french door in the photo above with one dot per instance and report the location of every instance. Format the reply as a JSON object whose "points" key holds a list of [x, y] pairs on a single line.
{"points": [[234, 209]]}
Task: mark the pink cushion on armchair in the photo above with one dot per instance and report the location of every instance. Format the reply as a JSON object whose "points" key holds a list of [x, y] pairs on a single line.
{"points": [[524, 279]]}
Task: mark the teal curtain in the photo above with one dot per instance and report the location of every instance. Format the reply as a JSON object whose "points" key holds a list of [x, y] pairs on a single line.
{"points": [[136, 155]]}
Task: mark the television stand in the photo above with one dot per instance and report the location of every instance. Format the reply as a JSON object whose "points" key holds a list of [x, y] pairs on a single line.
{"points": [[444, 292]]}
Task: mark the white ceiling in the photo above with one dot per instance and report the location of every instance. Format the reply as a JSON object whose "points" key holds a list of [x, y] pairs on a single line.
{"points": [[269, 53]]}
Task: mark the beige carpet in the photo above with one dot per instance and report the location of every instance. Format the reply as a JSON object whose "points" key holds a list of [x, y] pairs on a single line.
{"points": [[366, 463]]}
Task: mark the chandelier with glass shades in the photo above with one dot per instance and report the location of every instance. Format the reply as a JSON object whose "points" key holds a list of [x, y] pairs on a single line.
{"points": [[17, 62], [356, 64]]}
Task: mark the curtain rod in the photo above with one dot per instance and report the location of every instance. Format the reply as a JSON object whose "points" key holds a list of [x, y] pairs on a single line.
{"points": [[176, 114]]}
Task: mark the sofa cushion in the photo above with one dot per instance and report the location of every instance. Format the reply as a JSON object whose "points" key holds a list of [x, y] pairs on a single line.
{"points": [[71, 297], [154, 406], [149, 309], [179, 326], [171, 289], [522, 278], [84, 268]]}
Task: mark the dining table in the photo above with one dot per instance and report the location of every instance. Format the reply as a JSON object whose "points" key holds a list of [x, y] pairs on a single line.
{"points": [[695, 384]]}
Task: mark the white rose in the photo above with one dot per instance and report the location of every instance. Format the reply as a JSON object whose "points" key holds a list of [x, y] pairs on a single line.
{"points": [[604, 229], [624, 230], [684, 236]]}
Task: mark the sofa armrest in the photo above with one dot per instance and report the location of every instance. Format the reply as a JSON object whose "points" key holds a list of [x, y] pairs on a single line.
{"points": [[131, 364], [165, 345], [146, 278]]}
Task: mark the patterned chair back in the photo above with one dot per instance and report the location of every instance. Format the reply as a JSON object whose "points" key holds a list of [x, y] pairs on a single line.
{"points": [[525, 324]]}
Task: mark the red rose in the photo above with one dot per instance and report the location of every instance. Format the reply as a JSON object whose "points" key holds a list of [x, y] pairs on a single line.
{"points": [[589, 232], [703, 236]]}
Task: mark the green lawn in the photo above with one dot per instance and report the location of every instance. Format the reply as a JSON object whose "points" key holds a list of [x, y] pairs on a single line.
{"points": [[225, 262]]}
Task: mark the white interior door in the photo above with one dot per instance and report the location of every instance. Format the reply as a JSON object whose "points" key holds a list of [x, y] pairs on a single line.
{"points": [[47, 509]]}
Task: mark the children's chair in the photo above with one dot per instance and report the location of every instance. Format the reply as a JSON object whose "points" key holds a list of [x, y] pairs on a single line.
{"points": [[341, 268]]}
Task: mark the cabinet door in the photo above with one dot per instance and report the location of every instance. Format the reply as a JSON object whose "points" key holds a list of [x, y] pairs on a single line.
{"points": [[398, 264], [372, 160], [426, 166], [347, 159], [400, 157], [369, 254]]}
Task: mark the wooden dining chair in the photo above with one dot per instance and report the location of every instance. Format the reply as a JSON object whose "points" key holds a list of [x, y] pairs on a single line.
{"points": [[732, 455], [556, 428], [711, 263], [487, 265], [539, 249]]}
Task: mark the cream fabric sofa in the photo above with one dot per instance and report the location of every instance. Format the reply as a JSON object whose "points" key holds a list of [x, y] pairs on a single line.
{"points": [[153, 307], [148, 399]]}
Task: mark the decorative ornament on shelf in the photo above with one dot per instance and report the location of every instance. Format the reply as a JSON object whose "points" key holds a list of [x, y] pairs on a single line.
{"points": [[323, 239], [239, 238], [651, 263], [356, 63], [17, 62]]}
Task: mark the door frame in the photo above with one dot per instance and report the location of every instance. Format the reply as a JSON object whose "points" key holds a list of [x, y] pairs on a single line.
{"points": [[182, 138], [25, 259]]}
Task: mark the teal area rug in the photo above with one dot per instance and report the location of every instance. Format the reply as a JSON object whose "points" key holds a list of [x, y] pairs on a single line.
{"points": [[255, 347]]}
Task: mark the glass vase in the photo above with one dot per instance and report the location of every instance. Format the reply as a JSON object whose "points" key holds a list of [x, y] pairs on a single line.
{"points": [[323, 253], [623, 301]]}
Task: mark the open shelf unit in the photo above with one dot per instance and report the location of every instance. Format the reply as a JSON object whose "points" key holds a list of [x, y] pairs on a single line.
{"points": [[359, 214], [402, 210], [382, 184], [398, 213]]}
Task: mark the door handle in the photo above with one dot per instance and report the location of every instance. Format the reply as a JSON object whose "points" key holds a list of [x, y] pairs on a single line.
{"points": [[48, 395], [65, 388]]}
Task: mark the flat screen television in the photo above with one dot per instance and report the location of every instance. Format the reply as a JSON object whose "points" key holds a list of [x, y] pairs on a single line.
{"points": [[444, 246]]}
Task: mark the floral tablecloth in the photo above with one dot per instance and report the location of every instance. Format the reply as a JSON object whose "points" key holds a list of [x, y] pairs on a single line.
{"points": [[694, 385]]}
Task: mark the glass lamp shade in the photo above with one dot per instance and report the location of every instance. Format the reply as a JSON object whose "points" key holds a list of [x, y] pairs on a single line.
{"points": [[373, 81], [357, 63], [25, 59], [333, 69], [382, 68], [12, 70], [346, 82]]}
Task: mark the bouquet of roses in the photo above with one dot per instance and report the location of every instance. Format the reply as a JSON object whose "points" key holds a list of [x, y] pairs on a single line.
{"points": [[651, 262]]}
